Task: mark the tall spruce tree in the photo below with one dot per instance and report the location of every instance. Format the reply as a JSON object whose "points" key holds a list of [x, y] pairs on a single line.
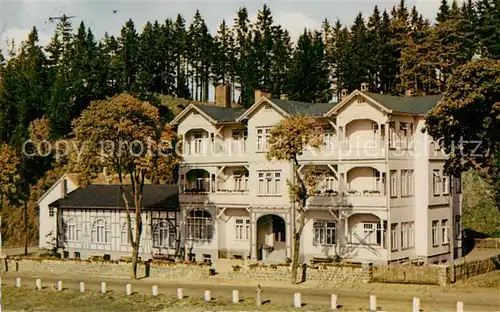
{"points": [[128, 56]]}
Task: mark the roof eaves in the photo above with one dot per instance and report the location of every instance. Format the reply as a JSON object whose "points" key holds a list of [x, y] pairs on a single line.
{"points": [[254, 107], [177, 118]]}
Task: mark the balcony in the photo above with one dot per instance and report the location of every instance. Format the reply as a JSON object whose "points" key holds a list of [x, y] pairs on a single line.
{"points": [[226, 197]]}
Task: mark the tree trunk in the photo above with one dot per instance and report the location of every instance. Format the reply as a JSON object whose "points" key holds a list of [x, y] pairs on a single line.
{"points": [[296, 247], [135, 258], [25, 228]]}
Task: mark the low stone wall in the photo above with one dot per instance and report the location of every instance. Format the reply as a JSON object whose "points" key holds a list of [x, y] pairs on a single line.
{"points": [[410, 274], [174, 271], [473, 268], [318, 273]]}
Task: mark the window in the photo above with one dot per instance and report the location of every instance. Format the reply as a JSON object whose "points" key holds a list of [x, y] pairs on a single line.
{"points": [[71, 230], [444, 232], [411, 235], [410, 182], [243, 229], [394, 181], [394, 236], [392, 134], [404, 235], [330, 182], [324, 233], [124, 237], [404, 182], [52, 211], [435, 233], [239, 140], [406, 133], [375, 134], [372, 233], [263, 135], [164, 235], [458, 227], [195, 112], [199, 225], [198, 143], [269, 183], [240, 180], [267, 106], [100, 232], [446, 185], [328, 138], [435, 182]]}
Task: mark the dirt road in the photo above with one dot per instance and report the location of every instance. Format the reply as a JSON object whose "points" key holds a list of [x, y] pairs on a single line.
{"points": [[351, 298]]}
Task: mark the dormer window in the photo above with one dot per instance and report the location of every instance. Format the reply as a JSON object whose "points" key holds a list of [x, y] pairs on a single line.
{"points": [[195, 112]]}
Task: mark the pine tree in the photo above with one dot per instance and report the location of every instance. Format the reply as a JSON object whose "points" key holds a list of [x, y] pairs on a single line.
{"points": [[400, 28], [309, 79], [264, 46], [487, 29], [444, 12], [180, 55], [375, 50], [280, 61], [241, 29], [221, 54], [128, 56]]}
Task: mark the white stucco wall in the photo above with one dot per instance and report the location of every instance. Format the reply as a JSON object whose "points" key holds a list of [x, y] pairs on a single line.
{"points": [[48, 224]]}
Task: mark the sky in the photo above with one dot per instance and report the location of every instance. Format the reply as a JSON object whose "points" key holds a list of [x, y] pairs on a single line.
{"points": [[17, 17]]}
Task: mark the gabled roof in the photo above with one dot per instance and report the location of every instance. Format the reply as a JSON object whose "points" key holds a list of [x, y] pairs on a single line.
{"points": [[108, 196], [73, 177], [415, 105], [291, 108], [221, 114], [214, 114]]}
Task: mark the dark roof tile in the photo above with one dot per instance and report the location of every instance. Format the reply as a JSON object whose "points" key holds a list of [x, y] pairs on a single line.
{"points": [[418, 105], [108, 196], [221, 114]]}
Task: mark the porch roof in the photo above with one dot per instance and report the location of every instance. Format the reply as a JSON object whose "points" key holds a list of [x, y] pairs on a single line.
{"points": [[105, 196]]}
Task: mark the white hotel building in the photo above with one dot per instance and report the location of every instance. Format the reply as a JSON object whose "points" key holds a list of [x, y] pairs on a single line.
{"points": [[384, 198]]}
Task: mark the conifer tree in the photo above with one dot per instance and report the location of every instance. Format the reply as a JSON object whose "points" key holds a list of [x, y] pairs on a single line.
{"points": [[128, 56]]}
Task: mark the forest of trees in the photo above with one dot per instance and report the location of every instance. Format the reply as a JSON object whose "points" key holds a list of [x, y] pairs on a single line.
{"points": [[394, 52]]}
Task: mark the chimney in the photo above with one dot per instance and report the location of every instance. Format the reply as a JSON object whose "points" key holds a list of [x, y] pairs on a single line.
{"points": [[408, 92], [64, 188], [364, 86], [343, 94], [260, 93], [284, 97], [222, 96]]}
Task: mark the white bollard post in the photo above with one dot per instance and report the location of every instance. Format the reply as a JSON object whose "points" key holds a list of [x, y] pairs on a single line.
{"points": [[297, 302], [103, 287], [59, 286], [155, 290], [129, 289], [334, 302], [208, 296], [416, 304], [236, 296], [82, 287], [460, 306], [373, 303], [38, 284], [18, 282], [179, 294]]}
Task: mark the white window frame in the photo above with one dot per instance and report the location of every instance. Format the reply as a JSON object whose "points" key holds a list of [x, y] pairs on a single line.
{"points": [[435, 233], [394, 183], [328, 139], [394, 237], [392, 135], [124, 238], [164, 234], [324, 233], [404, 235], [242, 229], [269, 183], [404, 183], [370, 232], [198, 139], [411, 190], [436, 178], [100, 231], [52, 212], [263, 135], [411, 234], [446, 185], [199, 225], [72, 231], [445, 230], [240, 181]]}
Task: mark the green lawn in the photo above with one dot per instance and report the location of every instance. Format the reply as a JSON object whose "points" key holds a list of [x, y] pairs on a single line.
{"points": [[15, 299]]}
